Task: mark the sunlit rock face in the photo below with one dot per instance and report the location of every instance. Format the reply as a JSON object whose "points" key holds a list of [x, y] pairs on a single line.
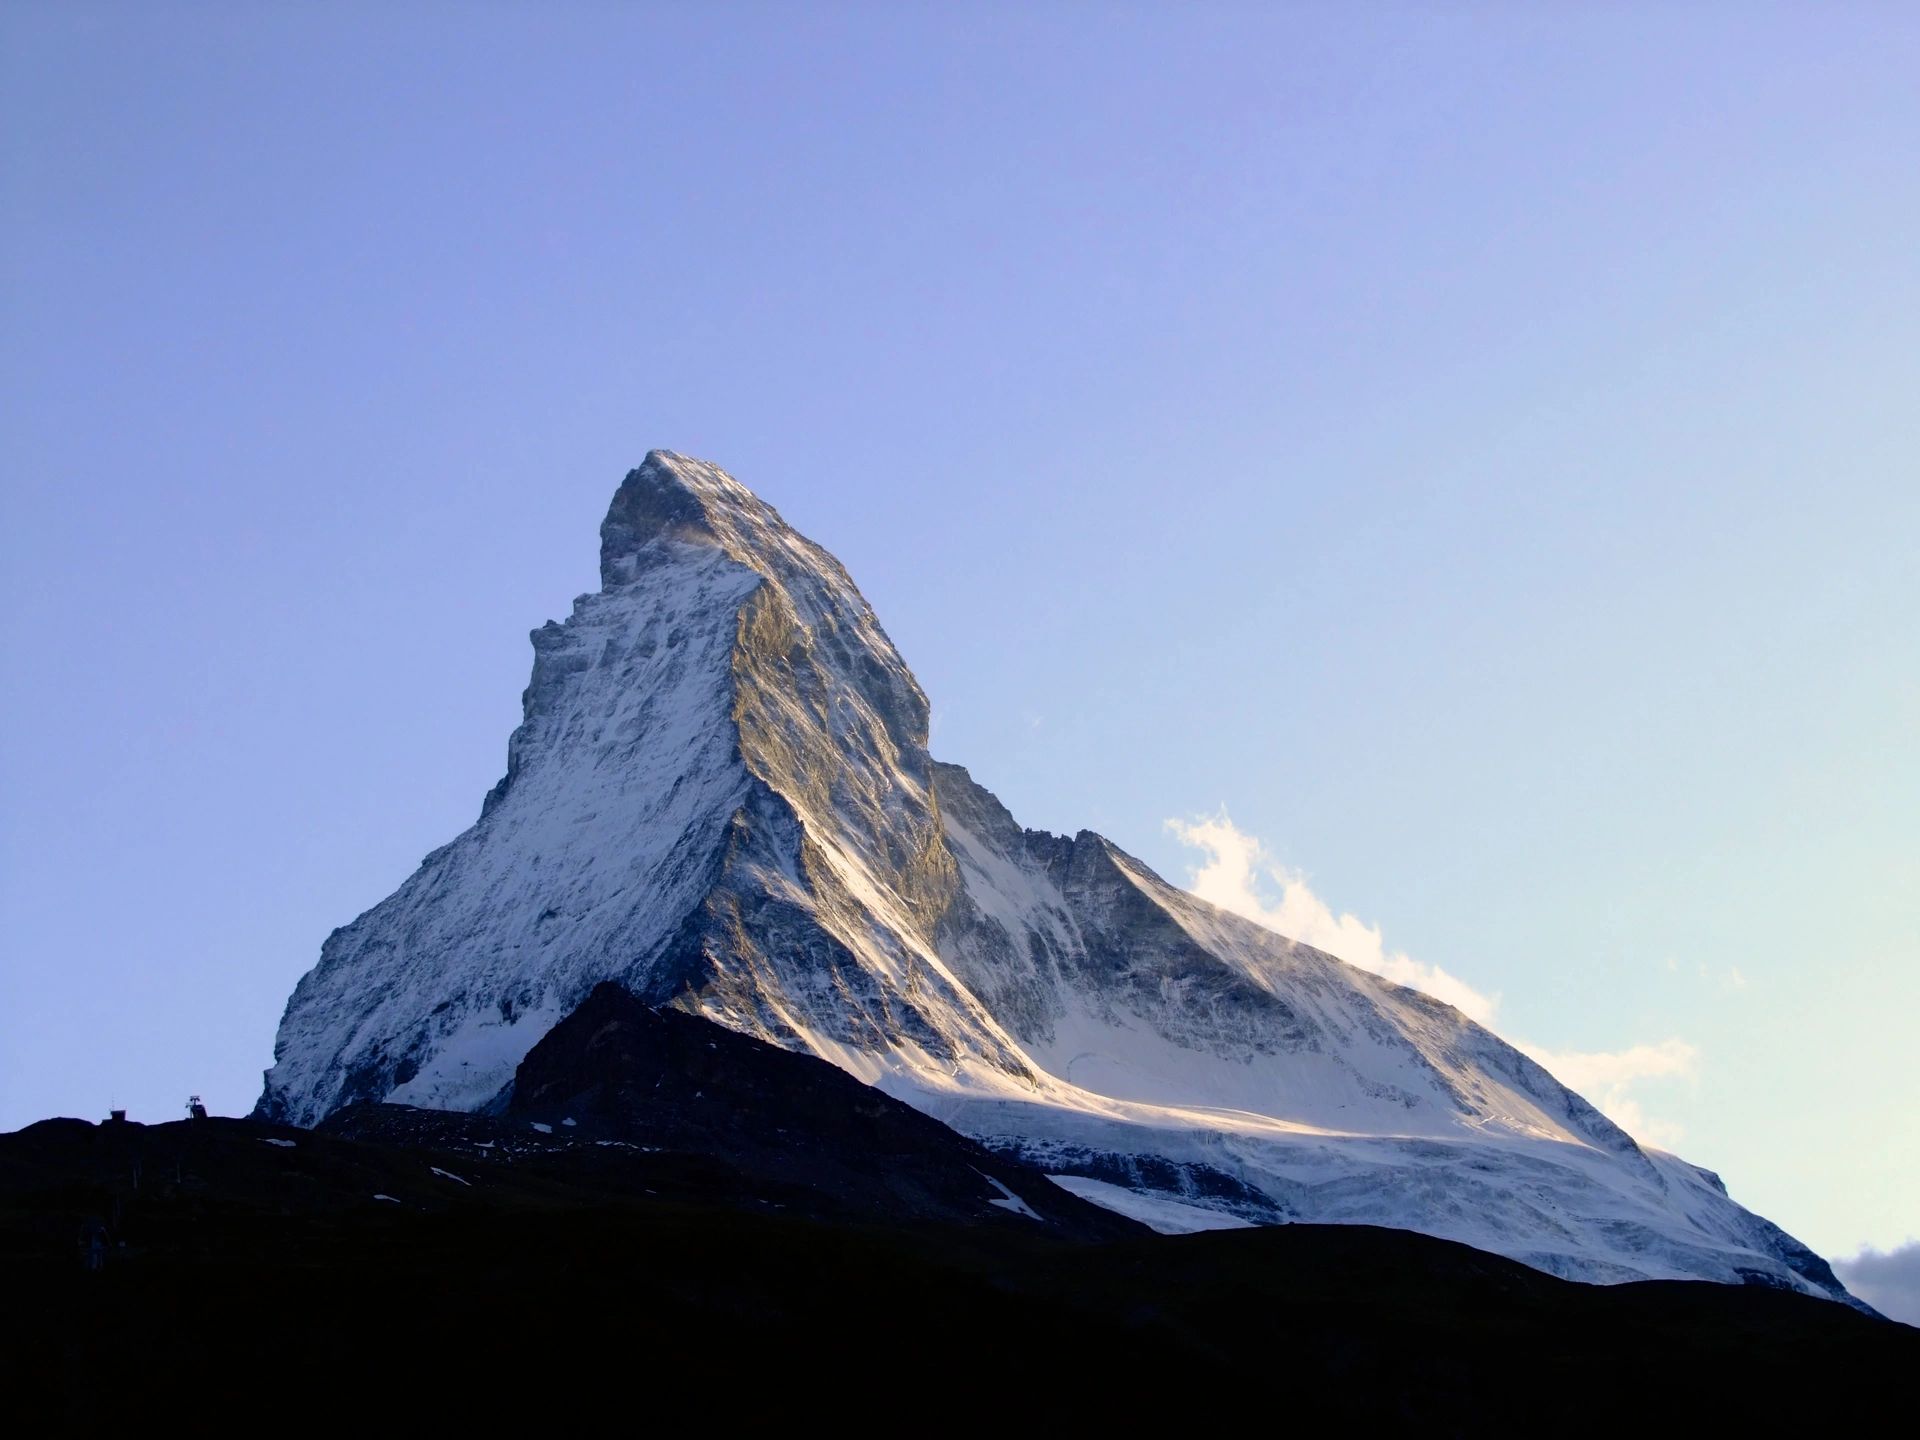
{"points": [[720, 796]]}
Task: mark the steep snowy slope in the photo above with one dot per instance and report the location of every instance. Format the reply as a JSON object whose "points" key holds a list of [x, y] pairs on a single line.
{"points": [[1268, 1080], [721, 797]]}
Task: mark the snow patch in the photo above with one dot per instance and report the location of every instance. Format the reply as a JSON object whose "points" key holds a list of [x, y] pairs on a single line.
{"points": [[1008, 1200], [1159, 1211]]}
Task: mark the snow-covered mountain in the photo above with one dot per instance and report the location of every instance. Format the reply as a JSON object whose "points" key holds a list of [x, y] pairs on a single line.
{"points": [[721, 797]]}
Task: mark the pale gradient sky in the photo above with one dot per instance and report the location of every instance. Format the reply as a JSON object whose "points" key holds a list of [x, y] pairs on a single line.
{"points": [[1476, 446]]}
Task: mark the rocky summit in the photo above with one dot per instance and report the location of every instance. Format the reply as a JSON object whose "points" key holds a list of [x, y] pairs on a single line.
{"points": [[720, 798]]}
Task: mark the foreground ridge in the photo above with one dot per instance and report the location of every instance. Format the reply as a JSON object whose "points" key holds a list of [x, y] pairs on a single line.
{"points": [[720, 797], [476, 1269]]}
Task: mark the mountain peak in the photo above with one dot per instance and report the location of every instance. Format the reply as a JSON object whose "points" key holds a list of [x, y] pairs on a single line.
{"points": [[720, 798], [669, 496]]}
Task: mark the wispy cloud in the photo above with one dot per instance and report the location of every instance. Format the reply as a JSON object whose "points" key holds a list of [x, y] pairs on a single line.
{"points": [[1888, 1280], [1607, 1078], [1239, 874]]}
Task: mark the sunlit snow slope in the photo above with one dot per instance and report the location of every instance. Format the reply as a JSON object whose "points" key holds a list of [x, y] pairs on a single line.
{"points": [[721, 796]]}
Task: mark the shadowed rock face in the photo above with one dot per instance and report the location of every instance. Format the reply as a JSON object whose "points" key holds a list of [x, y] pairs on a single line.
{"points": [[619, 1070], [446, 1269], [720, 797]]}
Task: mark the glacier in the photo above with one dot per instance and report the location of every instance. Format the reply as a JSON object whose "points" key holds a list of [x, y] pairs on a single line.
{"points": [[721, 797]]}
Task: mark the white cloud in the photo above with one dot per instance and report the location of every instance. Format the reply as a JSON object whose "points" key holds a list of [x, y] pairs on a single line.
{"points": [[1240, 875], [1608, 1070], [1888, 1280], [1238, 868], [1606, 1078]]}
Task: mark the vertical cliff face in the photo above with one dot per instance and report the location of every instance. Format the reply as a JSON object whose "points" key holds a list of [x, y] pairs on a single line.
{"points": [[721, 797]]}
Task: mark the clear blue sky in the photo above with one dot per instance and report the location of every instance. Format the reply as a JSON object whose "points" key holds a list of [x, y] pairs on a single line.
{"points": [[1478, 446]]}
